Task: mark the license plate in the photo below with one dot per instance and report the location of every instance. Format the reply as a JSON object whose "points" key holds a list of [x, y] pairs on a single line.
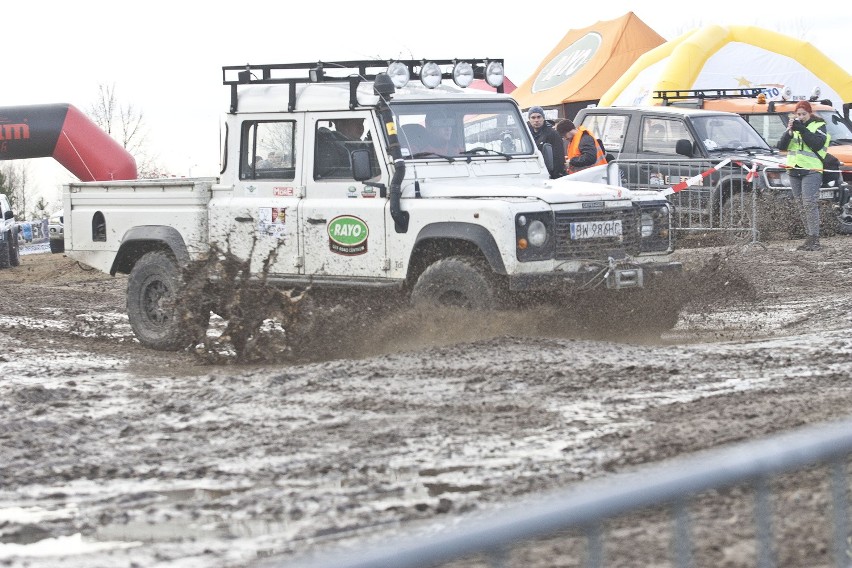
{"points": [[826, 194], [595, 229]]}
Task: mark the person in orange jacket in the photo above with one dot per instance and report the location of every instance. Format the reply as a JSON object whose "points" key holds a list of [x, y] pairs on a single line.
{"points": [[583, 150]]}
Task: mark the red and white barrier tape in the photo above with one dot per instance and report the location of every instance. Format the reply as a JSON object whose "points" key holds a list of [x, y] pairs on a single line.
{"points": [[695, 180], [752, 173]]}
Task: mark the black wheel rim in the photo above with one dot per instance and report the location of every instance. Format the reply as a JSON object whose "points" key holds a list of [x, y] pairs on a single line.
{"points": [[156, 300]]}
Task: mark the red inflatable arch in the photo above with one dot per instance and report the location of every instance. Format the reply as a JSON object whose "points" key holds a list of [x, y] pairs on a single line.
{"points": [[63, 132]]}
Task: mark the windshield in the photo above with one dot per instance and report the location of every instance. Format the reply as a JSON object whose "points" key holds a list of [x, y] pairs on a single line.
{"points": [[456, 129], [722, 132], [837, 128]]}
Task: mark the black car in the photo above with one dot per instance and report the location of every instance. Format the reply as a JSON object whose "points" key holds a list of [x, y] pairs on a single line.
{"points": [[713, 156]]}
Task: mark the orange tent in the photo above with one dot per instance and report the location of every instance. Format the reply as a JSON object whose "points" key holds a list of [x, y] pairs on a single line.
{"points": [[585, 64]]}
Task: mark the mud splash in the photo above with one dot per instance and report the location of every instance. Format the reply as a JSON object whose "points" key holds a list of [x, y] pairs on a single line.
{"points": [[264, 323]]}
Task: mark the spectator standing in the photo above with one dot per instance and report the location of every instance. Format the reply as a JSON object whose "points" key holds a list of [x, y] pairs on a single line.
{"points": [[583, 149], [543, 133], [806, 142]]}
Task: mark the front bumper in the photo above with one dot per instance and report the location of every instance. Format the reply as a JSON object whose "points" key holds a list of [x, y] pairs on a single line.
{"points": [[613, 275]]}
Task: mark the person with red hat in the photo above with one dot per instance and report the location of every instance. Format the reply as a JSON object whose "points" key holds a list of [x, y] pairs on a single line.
{"points": [[806, 142]]}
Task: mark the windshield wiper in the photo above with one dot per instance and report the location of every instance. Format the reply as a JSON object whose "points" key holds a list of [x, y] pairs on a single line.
{"points": [[480, 149], [740, 149], [433, 155]]}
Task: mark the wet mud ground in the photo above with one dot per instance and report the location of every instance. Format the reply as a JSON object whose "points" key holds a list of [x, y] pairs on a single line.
{"points": [[113, 455]]}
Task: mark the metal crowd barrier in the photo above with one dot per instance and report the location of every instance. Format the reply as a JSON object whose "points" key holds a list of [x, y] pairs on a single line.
{"points": [[724, 201], [588, 507]]}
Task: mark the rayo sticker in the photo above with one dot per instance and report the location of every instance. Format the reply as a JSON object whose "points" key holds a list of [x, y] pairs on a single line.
{"points": [[347, 235]]}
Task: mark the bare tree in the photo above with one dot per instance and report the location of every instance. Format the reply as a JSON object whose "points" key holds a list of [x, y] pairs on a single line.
{"points": [[40, 208], [126, 124], [14, 181]]}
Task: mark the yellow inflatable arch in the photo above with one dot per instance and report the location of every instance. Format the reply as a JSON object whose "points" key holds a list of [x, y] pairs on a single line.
{"points": [[716, 57]]}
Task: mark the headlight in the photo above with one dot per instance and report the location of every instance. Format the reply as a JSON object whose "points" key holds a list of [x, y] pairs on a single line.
{"points": [[777, 178], [534, 232], [655, 227], [537, 233]]}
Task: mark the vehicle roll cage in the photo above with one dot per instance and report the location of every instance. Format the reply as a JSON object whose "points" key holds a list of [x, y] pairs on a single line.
{"points": [[352, 72]]}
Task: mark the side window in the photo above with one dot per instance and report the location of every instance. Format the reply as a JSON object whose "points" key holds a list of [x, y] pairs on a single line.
{"points": [[609, 129], [268, 150], [771, 127], [334, 141], [660, 135]]}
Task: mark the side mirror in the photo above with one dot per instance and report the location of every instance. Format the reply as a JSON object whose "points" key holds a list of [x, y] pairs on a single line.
{"points": [[8, 215], [684, 148], [361, 169], [547, 152]]}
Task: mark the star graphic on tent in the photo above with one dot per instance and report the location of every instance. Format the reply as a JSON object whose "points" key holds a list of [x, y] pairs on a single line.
{"points": [[742, 82]]}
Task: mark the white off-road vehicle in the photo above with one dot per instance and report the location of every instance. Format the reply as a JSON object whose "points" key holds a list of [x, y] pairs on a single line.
{"points": [[363, 177]]}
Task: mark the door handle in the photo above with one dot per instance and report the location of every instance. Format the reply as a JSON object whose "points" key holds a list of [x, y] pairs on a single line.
{"points": [[314, 221], [243, 219]]}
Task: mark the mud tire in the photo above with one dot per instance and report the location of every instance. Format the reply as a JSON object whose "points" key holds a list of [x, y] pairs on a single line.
{"points": [[844, 225], [457, 282], [14, 250], [6, 251], [57, 245], [156, 308]]}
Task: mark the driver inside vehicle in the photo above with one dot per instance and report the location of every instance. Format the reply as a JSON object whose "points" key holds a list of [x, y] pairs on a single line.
{"points": [[442, 138]]}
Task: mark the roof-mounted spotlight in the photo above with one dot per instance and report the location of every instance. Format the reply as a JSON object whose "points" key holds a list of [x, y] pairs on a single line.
{"points": [[399, 74], [816, 93], [383, 86], [463, 74], [786, 93], [431, 75], [316, 74], [494, 73]]}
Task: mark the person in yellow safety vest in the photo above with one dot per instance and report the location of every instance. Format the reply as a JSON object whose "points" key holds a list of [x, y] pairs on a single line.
{"points": [[806, 142], [583, 149]]}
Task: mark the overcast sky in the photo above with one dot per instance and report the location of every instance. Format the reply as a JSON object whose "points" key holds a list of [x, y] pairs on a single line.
{"points": [[165, 57]]}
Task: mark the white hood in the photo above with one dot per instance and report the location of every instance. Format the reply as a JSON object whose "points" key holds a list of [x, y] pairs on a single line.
{"points": [[561, 190]]}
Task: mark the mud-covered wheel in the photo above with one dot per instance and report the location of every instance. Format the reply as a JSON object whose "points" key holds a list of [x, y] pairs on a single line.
{"points": [[57, 245], [158, 313], [6, 251], [844, 225], [14, 250], [457, 281], [731, 207]]}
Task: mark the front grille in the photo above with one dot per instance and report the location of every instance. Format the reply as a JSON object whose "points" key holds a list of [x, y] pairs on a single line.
{"points": [[597, 248]]}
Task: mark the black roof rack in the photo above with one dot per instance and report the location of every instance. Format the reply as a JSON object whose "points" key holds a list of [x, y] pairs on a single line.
{"points": [[677, 95], [353, 72]]}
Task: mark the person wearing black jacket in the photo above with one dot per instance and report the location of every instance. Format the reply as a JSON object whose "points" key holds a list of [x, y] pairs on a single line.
{"points": [[806, 142], [544, 133]]}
